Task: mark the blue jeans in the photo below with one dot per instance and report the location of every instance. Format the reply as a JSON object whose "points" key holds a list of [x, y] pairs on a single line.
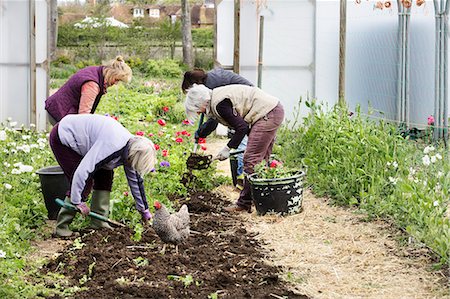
{"points": [[240, 157]]}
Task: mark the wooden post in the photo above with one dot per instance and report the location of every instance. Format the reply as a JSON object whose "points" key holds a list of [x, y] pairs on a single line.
{"points": [[260, 54], [32, 56], [342, 44], [237, 28]]}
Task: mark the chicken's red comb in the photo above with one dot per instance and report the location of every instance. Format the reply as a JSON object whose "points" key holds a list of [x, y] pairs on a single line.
{"points": [[157, 205]]}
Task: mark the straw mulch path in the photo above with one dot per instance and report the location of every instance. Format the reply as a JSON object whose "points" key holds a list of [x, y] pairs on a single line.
{"points": [[332, 252]]}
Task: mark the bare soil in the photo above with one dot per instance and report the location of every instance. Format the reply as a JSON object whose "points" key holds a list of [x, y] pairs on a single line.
{"points": [[221, 256]]}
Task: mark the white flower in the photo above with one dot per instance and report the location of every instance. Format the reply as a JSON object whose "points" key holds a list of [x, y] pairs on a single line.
{"points": [[26, 168], [439, 174], [395, 164], [393, 180], [438, 156], [8, 186], [18, 164], [16, 171], [13, 123], [435, 203], [433, 159], [32, 126], [426, 160], [6, 164], [9, 119], [25, 137], [412, 171], [428, 149], [2, 135], [388, 163], [2, 254]]}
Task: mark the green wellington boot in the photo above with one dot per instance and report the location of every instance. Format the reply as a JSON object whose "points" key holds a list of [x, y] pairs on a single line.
{"points": [[65, 217], [100, 205]]}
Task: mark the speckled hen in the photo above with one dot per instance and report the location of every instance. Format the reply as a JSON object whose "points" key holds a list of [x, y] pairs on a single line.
{"points": [[171, 228]]}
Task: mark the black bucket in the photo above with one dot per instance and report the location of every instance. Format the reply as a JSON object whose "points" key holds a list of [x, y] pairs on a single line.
{"points": [[281, 195], [54, 185], [234, 168]]}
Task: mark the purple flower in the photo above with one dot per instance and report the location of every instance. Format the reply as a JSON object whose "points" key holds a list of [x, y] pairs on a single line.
{"points": [[164, 164]]}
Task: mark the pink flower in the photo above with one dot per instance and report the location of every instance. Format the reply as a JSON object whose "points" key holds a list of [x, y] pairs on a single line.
{"points": [[150, 134], [160, 133], [165, 108], [178, 133], [140, 133], [157, 146], [165, 153], [179, 140], [125, 193], [430, 120], [185, 122], [161, 122]]}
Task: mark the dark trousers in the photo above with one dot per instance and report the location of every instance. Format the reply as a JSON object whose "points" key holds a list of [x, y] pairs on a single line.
{"points": [[259, 147], [69, 160]]}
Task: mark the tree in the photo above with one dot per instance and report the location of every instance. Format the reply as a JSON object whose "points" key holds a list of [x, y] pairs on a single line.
{"points": [[188, 58]]}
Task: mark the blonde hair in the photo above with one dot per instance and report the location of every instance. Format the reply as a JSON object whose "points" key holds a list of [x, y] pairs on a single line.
{"points": [[196, 98], [117, 69], [142, 154]]}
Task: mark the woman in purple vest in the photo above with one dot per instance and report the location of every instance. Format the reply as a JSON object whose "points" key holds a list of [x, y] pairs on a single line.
{"points": [[83, 91], [81, 95]]}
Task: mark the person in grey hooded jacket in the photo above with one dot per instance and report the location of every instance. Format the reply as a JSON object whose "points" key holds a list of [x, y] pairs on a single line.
{"points": [[86, 144]]}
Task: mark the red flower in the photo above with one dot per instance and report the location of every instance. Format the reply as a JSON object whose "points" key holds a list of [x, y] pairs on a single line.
{"points": [[150, 134], [179, 140], [184, 133], [202, 140], [140, 133], [157, 147], [178, 133], [275, 164], [161, 122], [203, 147], [165, 153], [165, 108], [185, 122], [125, 193]]}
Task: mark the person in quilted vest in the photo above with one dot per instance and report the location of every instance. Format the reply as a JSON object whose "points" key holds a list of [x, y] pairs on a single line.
{"points": [[83, 91], [249, 111]]}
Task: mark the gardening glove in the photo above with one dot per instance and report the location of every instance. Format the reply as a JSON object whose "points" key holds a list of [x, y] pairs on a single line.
{"points": [[146, 216], [223, 154], [83, 208]]}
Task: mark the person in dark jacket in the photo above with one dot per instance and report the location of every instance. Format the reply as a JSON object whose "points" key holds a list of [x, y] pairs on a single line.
{"points": [[83, 91], [85, 145], [216, 78], [248, 110]]}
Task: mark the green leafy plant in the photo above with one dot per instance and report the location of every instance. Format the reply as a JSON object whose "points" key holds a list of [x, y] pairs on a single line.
{"points": [[138, 230]]}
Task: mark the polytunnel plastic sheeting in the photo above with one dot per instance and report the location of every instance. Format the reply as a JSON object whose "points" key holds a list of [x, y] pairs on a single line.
{"points": [[23, 59], [372, 60], [288, 46]]}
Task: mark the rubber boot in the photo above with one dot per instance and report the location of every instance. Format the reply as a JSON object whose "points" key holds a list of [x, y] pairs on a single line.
{"points": [[65, 217], [100, 205]]}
